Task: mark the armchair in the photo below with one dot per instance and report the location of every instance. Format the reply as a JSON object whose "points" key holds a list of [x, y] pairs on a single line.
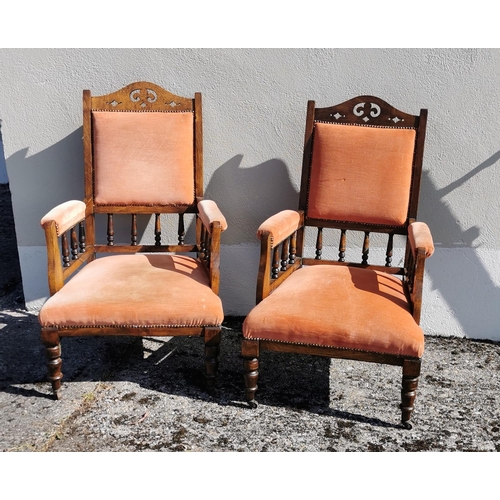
{"points": [[361, 174], [142, 157]]}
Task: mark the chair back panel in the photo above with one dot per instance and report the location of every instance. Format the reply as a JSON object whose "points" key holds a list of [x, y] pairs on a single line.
{"points": [[362, 166], [143, 158], [360, 173]]}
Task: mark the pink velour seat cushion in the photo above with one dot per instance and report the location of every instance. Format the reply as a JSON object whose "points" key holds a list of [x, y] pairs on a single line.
{"points": [[135, 291], [342, 307]]}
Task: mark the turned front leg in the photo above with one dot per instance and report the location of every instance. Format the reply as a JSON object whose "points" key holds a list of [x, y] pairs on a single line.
{"points": [[52, 343], [411, 372], [212, 350], [250, 353]]}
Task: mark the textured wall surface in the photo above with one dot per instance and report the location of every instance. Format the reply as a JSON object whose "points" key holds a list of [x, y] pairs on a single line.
{"points": [[254, 103]]}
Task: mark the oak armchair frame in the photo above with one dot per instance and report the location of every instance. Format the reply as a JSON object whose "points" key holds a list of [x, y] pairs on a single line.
{"points": [[280, 258], [78, 250]]}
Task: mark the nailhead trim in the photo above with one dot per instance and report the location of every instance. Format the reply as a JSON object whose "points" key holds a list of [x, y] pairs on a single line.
{"points": [[329, 347], [72, 327]]}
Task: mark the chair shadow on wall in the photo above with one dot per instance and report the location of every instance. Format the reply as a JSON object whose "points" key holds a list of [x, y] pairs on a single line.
{"points": [[463, 281]]}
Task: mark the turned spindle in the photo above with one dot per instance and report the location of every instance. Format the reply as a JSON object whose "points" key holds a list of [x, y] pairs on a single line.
{"points": [[319, 244], [157, 230], [111, 230], [366, 247]]}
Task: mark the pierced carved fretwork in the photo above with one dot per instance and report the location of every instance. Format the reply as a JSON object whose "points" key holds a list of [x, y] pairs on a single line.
{"points": [[143, 96], [396, 119], [366, 110], [359, 110]]}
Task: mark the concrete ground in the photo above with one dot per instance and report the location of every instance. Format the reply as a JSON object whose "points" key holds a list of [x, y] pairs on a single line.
{"points": [[127, 394]]}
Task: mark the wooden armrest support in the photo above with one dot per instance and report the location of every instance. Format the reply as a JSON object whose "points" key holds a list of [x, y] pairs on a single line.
{"points": [[210, 224], [420, 237], [209, 213], [281, 225], [64, 216], [278, 242], [55, 223]]}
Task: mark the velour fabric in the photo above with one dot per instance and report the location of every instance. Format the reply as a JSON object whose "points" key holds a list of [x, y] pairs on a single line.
{"points": [[138, 291], [280, 225], [361, 174], [143, 158], [338, 306], [65, 215], [420, 236], [209, 212]]}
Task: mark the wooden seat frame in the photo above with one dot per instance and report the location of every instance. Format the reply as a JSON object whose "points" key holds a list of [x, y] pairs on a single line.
{"points": [[79, 250], [279, 259]]}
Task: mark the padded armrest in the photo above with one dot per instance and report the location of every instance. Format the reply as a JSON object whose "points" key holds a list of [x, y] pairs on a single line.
{"points": [[209, 212], [65, 215], [281, 225], [420, 237]]}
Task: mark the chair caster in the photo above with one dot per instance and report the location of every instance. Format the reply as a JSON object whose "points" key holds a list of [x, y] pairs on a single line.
{"points": [[406, 425], [252, 404]]}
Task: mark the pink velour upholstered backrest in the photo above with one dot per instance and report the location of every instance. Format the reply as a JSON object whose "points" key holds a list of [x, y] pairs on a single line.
{"points": [[360, 173], [143, 158]]}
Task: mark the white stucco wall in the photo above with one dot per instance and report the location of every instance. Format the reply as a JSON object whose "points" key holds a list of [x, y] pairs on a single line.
{"points": [[254, 104]]}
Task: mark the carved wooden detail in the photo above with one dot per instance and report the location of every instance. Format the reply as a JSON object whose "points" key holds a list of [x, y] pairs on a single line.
{"points": [[142, 96], [365, 110]]}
